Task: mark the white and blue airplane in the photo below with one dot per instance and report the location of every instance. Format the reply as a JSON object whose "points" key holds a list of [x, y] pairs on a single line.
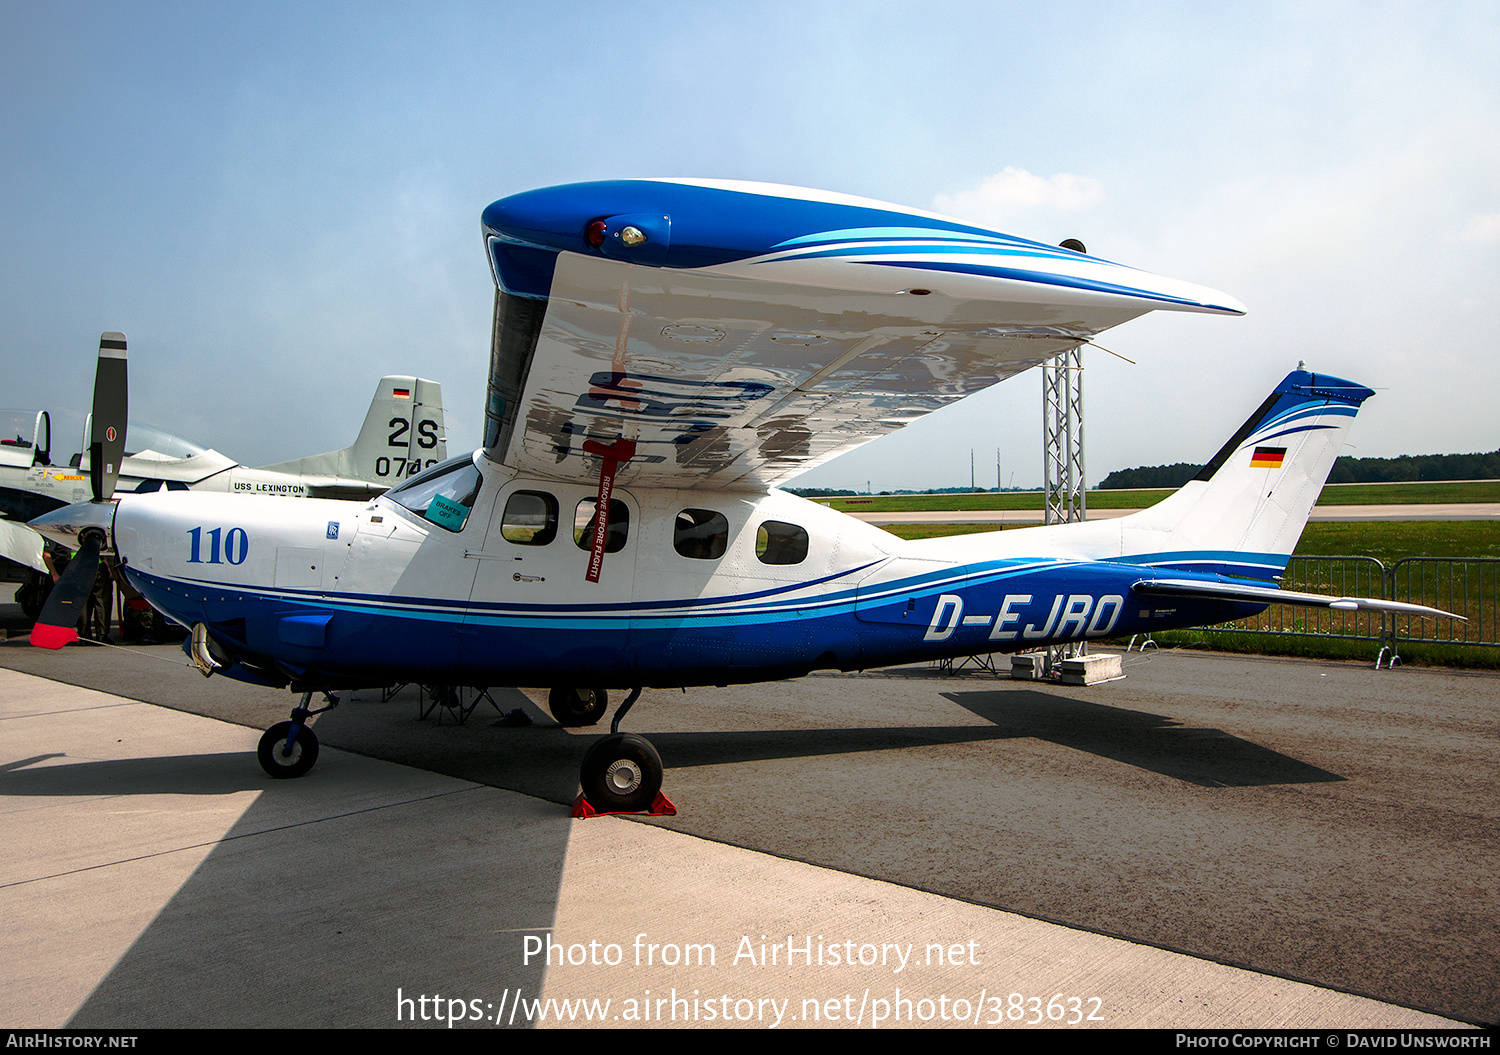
{"points": [[664, 353]]}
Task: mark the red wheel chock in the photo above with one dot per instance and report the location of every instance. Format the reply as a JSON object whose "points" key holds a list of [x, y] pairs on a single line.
{"points": [[661, 806]]}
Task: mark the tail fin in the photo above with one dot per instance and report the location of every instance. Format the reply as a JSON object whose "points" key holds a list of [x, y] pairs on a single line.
{"points": [[403, 433], [1243, 514]]}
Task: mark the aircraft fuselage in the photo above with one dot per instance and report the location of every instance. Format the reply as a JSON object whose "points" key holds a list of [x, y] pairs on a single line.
{"points": [[703, 588]]}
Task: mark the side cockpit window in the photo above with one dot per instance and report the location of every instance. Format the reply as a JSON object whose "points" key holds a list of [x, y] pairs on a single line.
{"points": [[701, 534], [530, 518], [777, 542], [443, 495]]}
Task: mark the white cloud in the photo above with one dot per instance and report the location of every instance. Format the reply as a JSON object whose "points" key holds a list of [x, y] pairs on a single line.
{"points": [[1013, 192], [1483, 228]]}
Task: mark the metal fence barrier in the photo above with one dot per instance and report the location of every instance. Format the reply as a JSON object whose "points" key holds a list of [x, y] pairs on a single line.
{"points": [[1465, 586]]}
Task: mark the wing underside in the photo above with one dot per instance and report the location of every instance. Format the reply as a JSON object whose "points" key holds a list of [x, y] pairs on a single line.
{"points": [[725, 382], [741, 334]]}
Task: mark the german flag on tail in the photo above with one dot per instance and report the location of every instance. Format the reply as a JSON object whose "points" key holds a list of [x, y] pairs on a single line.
{"points": [[1267, 457]]}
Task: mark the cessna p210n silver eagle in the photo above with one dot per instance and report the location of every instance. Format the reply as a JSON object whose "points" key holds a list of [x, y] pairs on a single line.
{"points": [[664, 353]]}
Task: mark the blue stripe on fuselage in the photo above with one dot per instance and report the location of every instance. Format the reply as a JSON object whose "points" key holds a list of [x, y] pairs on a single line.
{"points": [[930, 616]]}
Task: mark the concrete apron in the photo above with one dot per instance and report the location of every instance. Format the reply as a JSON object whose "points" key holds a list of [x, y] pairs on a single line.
{"points": [[153, 876]]}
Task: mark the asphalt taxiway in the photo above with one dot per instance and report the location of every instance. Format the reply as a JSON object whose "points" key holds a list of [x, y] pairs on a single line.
{"points": [[1214, 841]]}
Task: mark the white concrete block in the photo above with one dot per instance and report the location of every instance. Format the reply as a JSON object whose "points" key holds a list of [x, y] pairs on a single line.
{"points": [[1028, 668], [1092, 669]]}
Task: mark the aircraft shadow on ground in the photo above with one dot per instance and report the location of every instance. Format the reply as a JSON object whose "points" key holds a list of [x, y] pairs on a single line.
{"points": [[214, 774], [1207, 757], [542, 759], [327, 894], [320, 924]]}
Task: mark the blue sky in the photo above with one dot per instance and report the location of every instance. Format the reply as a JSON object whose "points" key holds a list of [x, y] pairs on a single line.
{"points": [[280, 203]]}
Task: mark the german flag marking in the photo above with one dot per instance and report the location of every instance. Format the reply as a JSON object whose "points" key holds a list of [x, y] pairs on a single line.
{"points": [[1267, 457]]}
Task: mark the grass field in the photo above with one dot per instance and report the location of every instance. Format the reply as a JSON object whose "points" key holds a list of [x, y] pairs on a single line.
{"points": [[1422, 654], [1390, 541], [1386, 541], [1409, 494], [1333, 494]]}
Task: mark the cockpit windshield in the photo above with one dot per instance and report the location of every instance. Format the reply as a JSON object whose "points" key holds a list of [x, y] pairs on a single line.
{"points": [[17, 428], [28, 429], [26, 436], [142, 437], [444, 494]]}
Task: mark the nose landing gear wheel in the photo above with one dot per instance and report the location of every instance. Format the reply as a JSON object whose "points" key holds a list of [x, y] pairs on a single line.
{"points": [[621, 774], [574, 707], [277, 761]]}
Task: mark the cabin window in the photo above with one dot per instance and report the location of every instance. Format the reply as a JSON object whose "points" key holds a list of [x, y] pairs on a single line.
{"points": [[584, 525], [444, 494], [701, 534], [780, 543], [530, 518]]}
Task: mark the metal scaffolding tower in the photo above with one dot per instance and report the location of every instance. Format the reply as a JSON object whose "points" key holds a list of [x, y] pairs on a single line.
{"points": [[1065, 497], [1062, 438]]}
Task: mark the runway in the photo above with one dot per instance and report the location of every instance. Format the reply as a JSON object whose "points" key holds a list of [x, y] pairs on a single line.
{"points": [[1214, 842]]}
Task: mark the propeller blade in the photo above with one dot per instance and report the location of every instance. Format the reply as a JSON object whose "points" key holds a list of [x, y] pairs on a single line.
{"points": [[111, 406], [58, 623]]}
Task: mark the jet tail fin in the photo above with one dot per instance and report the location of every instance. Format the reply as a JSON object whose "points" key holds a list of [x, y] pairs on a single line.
{"points": [[1244, 512], [403, 434]]}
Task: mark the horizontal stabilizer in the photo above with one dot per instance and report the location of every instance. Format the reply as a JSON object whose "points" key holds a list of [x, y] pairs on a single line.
{"points": [[403, 434], [341, 488], [1227, 591]]}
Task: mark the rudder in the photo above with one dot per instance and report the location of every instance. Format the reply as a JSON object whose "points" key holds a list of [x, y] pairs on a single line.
{"points": [[403, 434], [1244, 512], [403, 431]]}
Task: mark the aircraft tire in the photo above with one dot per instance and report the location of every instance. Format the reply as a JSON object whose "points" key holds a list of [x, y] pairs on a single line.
{"points": [[621, 773], [33, 593], [304, 751], [574, 707]]}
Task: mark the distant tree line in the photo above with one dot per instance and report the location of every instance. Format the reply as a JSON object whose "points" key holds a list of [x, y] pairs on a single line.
{"points": [[1416, 467], [1150, 476], [1408, 467]]}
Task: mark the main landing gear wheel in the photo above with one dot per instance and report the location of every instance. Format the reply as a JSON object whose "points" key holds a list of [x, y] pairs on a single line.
{"points": [[575, 707], [621, 774], [275, 759]]}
